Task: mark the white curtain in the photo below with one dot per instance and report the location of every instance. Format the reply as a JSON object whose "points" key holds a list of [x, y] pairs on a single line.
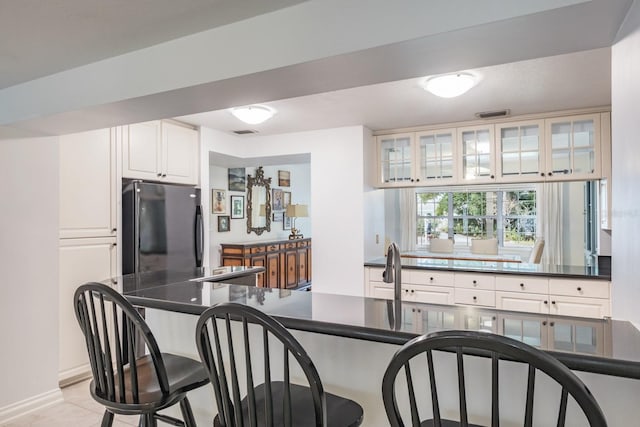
{"points": [[549, 214], [407, 220]]}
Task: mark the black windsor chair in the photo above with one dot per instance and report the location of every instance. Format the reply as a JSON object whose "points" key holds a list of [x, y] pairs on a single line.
{"points": [[412, 356], [236, 361], [123, 383]]}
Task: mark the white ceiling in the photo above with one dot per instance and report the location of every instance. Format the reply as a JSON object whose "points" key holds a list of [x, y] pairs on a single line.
{"points": [[576, 80], [378, 87], [38, 38]]}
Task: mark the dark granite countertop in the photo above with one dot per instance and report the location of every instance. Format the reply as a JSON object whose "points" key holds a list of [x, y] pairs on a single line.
{"points": [[499, 267], [601, 346], [152, 279]]}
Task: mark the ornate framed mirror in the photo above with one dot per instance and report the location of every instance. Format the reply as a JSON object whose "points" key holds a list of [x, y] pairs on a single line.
{"points": [[258, 203]]}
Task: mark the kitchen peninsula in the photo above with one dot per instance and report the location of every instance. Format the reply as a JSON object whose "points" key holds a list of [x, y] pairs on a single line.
{"points": [[351, 339]]}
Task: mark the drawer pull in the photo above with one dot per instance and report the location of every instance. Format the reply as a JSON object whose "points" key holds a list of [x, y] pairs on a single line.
{"points": [[553, 302], [579, 289], [412, 290], [474, 282], [431, 279], [552, 324], [522, 285], [475, 298], [546, 302], [544, 323]]}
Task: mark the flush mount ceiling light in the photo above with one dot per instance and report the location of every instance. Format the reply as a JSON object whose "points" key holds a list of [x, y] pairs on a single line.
{"points": [[253, 114], [450, 85]]}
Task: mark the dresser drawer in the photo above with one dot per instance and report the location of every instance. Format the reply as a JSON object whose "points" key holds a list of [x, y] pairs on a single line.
{"points": [[526, 284], [474, 281], [257, 250], [579, 288], [417, 277], [475, 297], [273, 248], [290, 245]]}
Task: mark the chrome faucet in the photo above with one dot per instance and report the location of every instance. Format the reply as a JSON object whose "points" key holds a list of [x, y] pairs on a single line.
{"points": [[392, 271]]}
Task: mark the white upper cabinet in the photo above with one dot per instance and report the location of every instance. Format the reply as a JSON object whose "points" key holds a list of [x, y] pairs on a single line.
{"points": [[436, 157], [543, 148], [573, 147], [520, 151], [396, 158], [160, 151], [88, 184], [477, 154]]}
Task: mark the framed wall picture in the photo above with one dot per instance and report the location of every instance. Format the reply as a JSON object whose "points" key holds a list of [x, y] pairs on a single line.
{"points": [[224, 223], [277, 216], [276, 199], [237, 179], [237, 207], [218, 201], [286, 222], [286, 199], [284, 178]]}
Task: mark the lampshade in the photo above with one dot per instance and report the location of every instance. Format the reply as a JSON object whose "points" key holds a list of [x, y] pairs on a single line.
{"points": [[253, 114], [450, 85], [297, 211]]}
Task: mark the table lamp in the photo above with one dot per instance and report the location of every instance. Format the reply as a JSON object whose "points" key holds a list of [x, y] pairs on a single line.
{"points": [[293, 212]]}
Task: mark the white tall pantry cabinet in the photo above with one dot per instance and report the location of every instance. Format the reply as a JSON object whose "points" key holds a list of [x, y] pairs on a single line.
{"points": [[88, 201]]}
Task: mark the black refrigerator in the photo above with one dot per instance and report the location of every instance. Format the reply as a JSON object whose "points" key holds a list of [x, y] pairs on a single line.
{"points": [[162, 227]]}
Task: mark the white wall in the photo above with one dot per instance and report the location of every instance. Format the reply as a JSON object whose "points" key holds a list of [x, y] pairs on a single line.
{"points": [[300, 190], [337, 198], [29, 265], [625, 93]]}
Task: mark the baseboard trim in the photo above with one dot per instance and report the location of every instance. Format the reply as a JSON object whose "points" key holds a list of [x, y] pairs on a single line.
{"points": [[74, 375], [26, 406]]}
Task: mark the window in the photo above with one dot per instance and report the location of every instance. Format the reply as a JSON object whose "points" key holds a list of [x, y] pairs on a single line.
{"points": [[508, 215]]}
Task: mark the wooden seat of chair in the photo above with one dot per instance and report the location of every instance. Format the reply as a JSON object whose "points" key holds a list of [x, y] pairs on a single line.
{"points": [[341, 412]]}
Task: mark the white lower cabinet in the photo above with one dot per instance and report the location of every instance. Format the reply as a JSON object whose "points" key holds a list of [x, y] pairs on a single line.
{"points": [[529, 294], [81, 261], [521, 301], [429, 294], [482, 298], [579, 307]]}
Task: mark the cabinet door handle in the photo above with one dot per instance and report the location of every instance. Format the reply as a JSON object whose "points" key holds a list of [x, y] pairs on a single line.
{"points": [[541, 173], [159, 174], [546, 302], [492, 176], [412, 290], [544, 323], [550, 174], [113, 230], [418, 179], [552, 324], [113, 245], [553, 302]]}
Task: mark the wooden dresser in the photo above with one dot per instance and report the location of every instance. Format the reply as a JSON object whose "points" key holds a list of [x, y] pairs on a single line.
{"points": [[287, 262]]}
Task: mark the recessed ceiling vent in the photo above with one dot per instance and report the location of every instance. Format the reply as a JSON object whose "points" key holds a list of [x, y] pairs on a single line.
{"points": [[245, 132], [492, 114]]}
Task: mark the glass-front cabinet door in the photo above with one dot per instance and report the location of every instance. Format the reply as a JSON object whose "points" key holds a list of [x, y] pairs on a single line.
{"points": [[573, 147], [520, 151], [396, 156], [436, 157], [477, 153], [577, 336]]}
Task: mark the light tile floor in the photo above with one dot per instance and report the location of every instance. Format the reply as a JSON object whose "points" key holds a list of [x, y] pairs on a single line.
{"points": [[78, 410]]}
